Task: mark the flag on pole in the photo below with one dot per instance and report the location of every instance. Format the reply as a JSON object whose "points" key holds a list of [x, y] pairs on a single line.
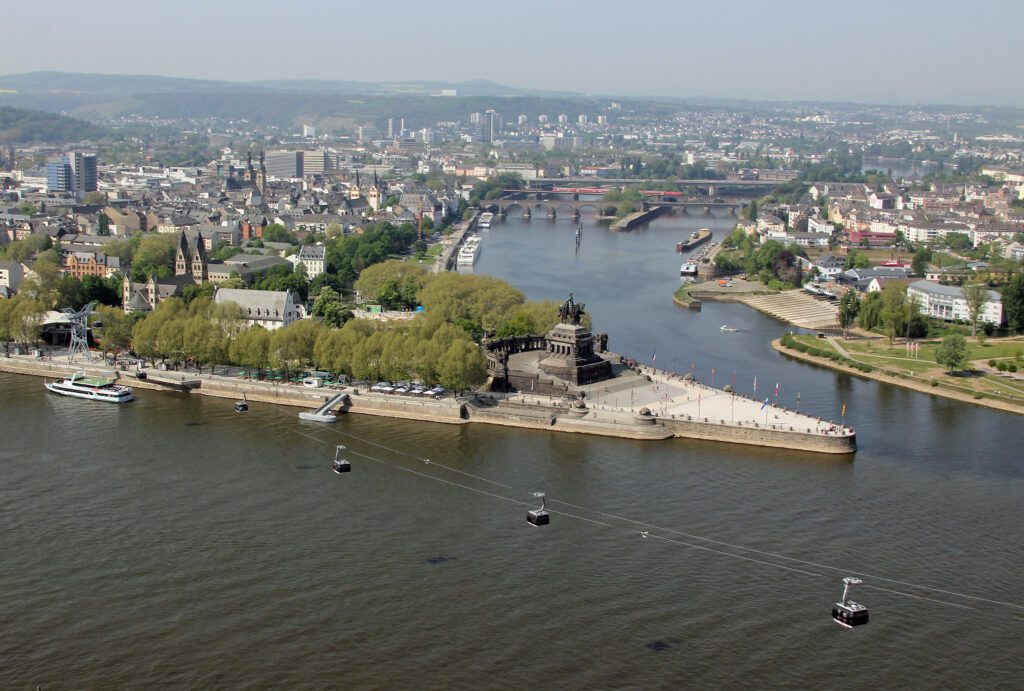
{"points": [[765, 403], [776, 389], [843, 414], [654, 358]]}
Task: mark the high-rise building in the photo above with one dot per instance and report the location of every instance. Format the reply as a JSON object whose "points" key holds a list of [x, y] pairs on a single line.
{"points": [[582, 119], [563, 119], [284, 164], [475, 118], [314, 162], [391, 128], [542, 119], [521, 120], [489, 127], [59, 176], [367, 133], [84, 168], [308, 131], [602, 119]]}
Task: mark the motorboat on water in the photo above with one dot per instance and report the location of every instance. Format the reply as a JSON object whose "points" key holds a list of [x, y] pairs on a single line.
{"points": [[725, 327], [688, 269], [93, 388]]}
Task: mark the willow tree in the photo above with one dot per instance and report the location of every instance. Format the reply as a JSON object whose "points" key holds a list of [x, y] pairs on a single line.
{"points": [[976, 295]]}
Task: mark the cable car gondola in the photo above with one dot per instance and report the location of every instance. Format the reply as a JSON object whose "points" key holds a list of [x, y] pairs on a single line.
{"points": [[340, 465], [849, 613], [538, 517]]}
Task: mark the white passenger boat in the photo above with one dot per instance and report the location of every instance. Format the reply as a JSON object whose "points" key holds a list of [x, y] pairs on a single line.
{"points": [[470, 251], [688, 269], [93, 388], [485, 220]]}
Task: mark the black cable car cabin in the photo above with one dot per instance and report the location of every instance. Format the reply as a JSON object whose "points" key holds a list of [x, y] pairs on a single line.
{"points": [[848, 613], [538, 517], [340, 465]]}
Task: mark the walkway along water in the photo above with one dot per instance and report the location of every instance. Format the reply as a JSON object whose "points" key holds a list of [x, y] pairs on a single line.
{"points": [[662, 405]]}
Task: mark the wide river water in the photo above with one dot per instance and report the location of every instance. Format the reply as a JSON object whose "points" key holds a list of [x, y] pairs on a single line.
{"points": [[172, 541]]}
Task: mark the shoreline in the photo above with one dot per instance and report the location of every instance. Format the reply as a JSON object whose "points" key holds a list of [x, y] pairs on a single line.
{"points": [[555, 415], [897, 381]]}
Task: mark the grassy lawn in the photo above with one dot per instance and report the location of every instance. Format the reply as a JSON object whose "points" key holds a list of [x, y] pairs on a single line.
{"points": [[435, 250], [923, 368], [683, 293]]}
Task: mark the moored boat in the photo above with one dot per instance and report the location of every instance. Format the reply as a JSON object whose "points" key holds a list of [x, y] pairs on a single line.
{"points": [[92, 388], [470, 251]]}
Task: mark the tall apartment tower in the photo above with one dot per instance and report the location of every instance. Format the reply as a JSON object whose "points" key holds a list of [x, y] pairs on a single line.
{"points": [[84, 168]]}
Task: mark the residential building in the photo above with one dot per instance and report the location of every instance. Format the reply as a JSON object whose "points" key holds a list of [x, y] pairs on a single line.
{"points": [[313, 257], [285, 164], [59, 176], [948, 303], [95, 263], [270, 309], [84, 168], [11, 275]]}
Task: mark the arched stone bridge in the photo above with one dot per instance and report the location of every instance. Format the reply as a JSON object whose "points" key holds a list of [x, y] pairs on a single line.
{"points": [[552, 208]]}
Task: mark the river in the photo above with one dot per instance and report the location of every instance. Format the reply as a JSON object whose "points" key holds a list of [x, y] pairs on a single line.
{"points": [[173, 541]]}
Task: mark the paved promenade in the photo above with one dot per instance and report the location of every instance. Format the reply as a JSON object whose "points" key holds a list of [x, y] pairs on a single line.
{"points": [[668, 395]]}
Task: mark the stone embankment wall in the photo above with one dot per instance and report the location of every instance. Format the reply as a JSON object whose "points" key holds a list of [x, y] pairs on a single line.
{"points": [[448, 410], [760, 435]]}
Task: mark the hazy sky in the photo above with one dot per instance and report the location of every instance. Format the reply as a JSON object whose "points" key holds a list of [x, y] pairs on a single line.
{"points": [[898, 51]]}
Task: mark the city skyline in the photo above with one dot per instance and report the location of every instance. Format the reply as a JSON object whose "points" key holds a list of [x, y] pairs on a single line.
{"points": [[870, 53]]}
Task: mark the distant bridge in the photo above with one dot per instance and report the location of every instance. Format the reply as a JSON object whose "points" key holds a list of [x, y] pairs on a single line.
{"points": [[552, 205], [713, 187]]}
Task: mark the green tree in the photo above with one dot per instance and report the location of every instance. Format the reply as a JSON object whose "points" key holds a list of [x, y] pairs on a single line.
{"points": [[251, 349], [976, 295], [393, 283], [154, 256], [952, 352], [894, 308], [870, 313], [479, 303], [113, 327], [1013, 302], [849, 306], [275, 232], [94, 198], [27, 320], [920, 262]]}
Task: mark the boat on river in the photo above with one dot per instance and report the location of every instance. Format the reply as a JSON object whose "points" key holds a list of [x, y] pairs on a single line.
{"points": [[93, 388], [485, 220], [688, 269], [470, 251], [726, 327]]}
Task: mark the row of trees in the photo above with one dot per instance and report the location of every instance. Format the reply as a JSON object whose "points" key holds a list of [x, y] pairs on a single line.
{"points": [[206, 334]]}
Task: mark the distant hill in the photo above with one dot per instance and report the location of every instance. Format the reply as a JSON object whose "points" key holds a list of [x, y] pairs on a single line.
{"points": [[23, 126], [279, 102], [79, 85]]}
